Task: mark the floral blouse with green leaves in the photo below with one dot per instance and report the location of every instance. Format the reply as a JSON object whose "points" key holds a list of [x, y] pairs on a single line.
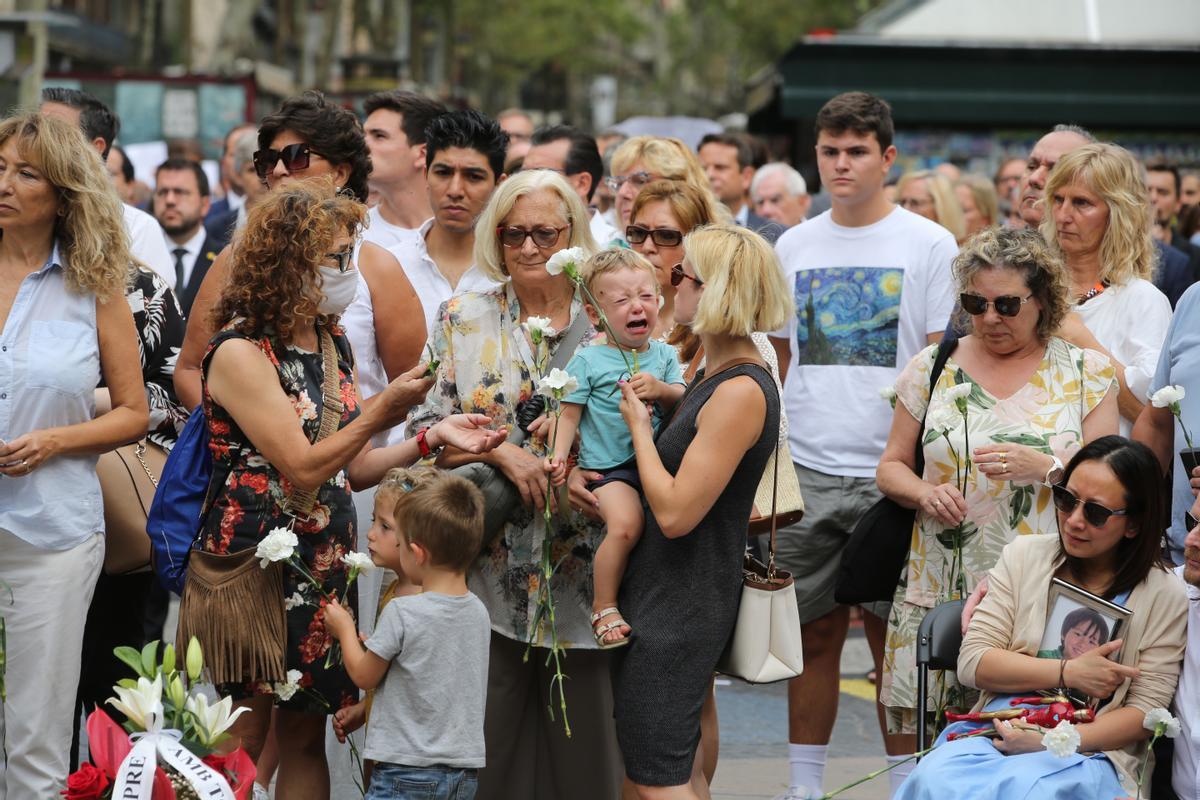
{"points": [[486, 366]]}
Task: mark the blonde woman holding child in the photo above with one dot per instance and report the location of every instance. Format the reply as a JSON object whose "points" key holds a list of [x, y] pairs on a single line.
{"points": [[426, 732], [626, 290]]}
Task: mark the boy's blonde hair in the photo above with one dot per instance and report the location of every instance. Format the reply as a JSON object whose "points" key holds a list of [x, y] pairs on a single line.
{"points": [[615, 259], [439, 511], [744, 289]]}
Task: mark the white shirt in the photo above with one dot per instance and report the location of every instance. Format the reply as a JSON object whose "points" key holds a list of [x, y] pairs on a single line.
{"points": [[1131, 322], [866, 300], [146, 243], [1185, 772], [193, 246], [383, 233], [427, 280], [602, 232], [742, 217]]}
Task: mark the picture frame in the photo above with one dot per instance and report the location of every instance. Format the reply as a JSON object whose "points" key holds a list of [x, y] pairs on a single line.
{"points": [[1078, 621]]}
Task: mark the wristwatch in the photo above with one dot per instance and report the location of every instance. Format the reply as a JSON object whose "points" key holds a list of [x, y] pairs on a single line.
{"points": [[1055, 473]]}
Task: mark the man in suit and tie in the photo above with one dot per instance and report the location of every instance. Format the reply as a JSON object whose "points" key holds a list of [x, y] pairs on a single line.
{"points": [[181, 199], [729, 163]]}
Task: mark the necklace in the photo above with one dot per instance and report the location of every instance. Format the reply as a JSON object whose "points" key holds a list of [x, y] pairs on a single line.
{"points": [[1092, 292]]}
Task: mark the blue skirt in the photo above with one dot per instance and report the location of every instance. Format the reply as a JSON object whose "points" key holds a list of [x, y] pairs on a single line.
{"points": [[973, 769]]}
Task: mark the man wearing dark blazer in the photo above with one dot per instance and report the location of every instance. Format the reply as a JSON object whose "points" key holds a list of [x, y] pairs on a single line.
{"points": [[181, 200], [728, 161]]}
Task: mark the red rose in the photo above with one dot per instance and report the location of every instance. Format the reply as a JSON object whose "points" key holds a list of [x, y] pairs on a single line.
{"points": [[88, 783]]}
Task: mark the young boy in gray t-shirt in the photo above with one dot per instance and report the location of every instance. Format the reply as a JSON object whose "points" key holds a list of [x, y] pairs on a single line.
{"points": [[429, 653]]}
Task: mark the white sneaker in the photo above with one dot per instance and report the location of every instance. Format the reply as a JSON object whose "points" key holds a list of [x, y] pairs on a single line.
{"points": [[799, 793]]}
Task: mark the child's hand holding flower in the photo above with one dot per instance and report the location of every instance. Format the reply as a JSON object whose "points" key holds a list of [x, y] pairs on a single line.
{"points": [[338, 621]]}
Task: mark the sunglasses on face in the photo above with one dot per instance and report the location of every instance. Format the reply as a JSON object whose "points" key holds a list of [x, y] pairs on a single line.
{"points": [[512, 236], [677, 276], [1006, 306], [343, 258], [295, 157], [663, 237], [1095, 514]]}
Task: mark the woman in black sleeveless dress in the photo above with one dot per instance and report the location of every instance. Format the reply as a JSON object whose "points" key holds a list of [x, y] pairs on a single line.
{"points": [[683, 583]]}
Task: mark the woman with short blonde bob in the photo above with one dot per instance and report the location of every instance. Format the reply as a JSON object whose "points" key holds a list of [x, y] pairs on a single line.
{"points": [[682, 586], [931, 195], [1098, 217], [65, 326]]}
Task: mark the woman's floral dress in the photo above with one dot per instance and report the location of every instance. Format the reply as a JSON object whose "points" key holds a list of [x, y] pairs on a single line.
{"points": [[1047, 414], [487, 367], [251, 504]]}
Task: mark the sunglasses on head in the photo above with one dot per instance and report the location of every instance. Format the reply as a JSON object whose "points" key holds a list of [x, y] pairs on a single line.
{"points": [[544, 236], [1095, 514], [636, 179], [663, 237], [295, 157], [677, 276], [1006, 306]]}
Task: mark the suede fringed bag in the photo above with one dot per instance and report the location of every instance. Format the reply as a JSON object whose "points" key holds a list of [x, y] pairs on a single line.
{"points": [[233, 606]]}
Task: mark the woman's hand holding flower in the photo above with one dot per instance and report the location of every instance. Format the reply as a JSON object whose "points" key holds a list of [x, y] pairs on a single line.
{"points": [[1012, 462], [407, 391], [633, 409], [944, 503]]}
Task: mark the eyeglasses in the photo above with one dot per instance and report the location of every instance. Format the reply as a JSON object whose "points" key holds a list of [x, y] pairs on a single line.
{"points": [[1095, 514], [1006, 306], [295, 157], [636, 179], [344, 259], [677, 276], [512, 236], [914, 202], [663, 237]]}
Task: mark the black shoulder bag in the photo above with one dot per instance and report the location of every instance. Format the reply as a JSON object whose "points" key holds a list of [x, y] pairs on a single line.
{"points": [[878, 547]]}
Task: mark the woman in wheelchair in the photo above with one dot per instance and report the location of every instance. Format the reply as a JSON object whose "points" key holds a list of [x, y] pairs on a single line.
{"points": [[1110, 518]]}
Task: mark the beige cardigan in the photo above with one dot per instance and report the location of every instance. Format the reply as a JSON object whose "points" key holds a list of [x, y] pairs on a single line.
{"points": [[1013, 615]]}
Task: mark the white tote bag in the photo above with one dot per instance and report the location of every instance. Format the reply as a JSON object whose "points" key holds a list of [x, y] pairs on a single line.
{"points": [[765, 646]]}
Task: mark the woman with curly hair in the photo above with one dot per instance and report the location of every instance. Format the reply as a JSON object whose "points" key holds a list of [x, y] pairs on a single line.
{"points": [[310, 137], [1031, 399], [1099, 219], [64, 325], [262, 388]]}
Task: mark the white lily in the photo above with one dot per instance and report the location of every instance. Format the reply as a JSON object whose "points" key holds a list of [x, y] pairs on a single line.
{"points": [[194, 660], [566, 261], [140, 702], [278, 545], [558, 384], [1160, 722], [1062, 741], [1167, 396], [212, 721]]}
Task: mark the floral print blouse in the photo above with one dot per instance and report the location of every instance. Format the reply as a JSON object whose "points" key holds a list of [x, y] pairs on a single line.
{"points": [[487, 367], [160, 329]]}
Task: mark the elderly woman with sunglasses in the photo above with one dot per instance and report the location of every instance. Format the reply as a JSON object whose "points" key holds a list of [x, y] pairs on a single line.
{"points": [[1030, 399], [1110, 518], [489, 364]]}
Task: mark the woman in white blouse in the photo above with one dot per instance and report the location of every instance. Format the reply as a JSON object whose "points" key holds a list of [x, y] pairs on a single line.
{"points": [[1099, 219]]}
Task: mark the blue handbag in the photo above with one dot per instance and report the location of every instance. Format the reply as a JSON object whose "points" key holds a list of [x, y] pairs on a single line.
{"points": [[183, 498]]}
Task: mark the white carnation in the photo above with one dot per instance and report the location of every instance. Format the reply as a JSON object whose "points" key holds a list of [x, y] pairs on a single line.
{"points": [[539, 328], [278, 545], [959, 391], [1160, 721], [558, 384], [565, 260], [288, 689], [295, 601], [1167, 396], [887, 393], [358, 561], [943, 418], [1062, 741]]}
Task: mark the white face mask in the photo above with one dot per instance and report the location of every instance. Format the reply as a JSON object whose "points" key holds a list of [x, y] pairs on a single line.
{"points": [[338, 290]]}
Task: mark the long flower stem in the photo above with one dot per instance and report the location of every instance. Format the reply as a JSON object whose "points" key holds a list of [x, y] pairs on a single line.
{"points": [[1145, 762], [873, 775], [609, 333]]}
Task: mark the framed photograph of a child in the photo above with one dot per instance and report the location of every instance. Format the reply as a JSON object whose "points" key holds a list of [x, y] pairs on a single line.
{"points": [[1078, 621]]}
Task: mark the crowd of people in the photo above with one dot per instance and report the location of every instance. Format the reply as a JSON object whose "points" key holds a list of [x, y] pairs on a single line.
{"points": [[363, 314]]}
